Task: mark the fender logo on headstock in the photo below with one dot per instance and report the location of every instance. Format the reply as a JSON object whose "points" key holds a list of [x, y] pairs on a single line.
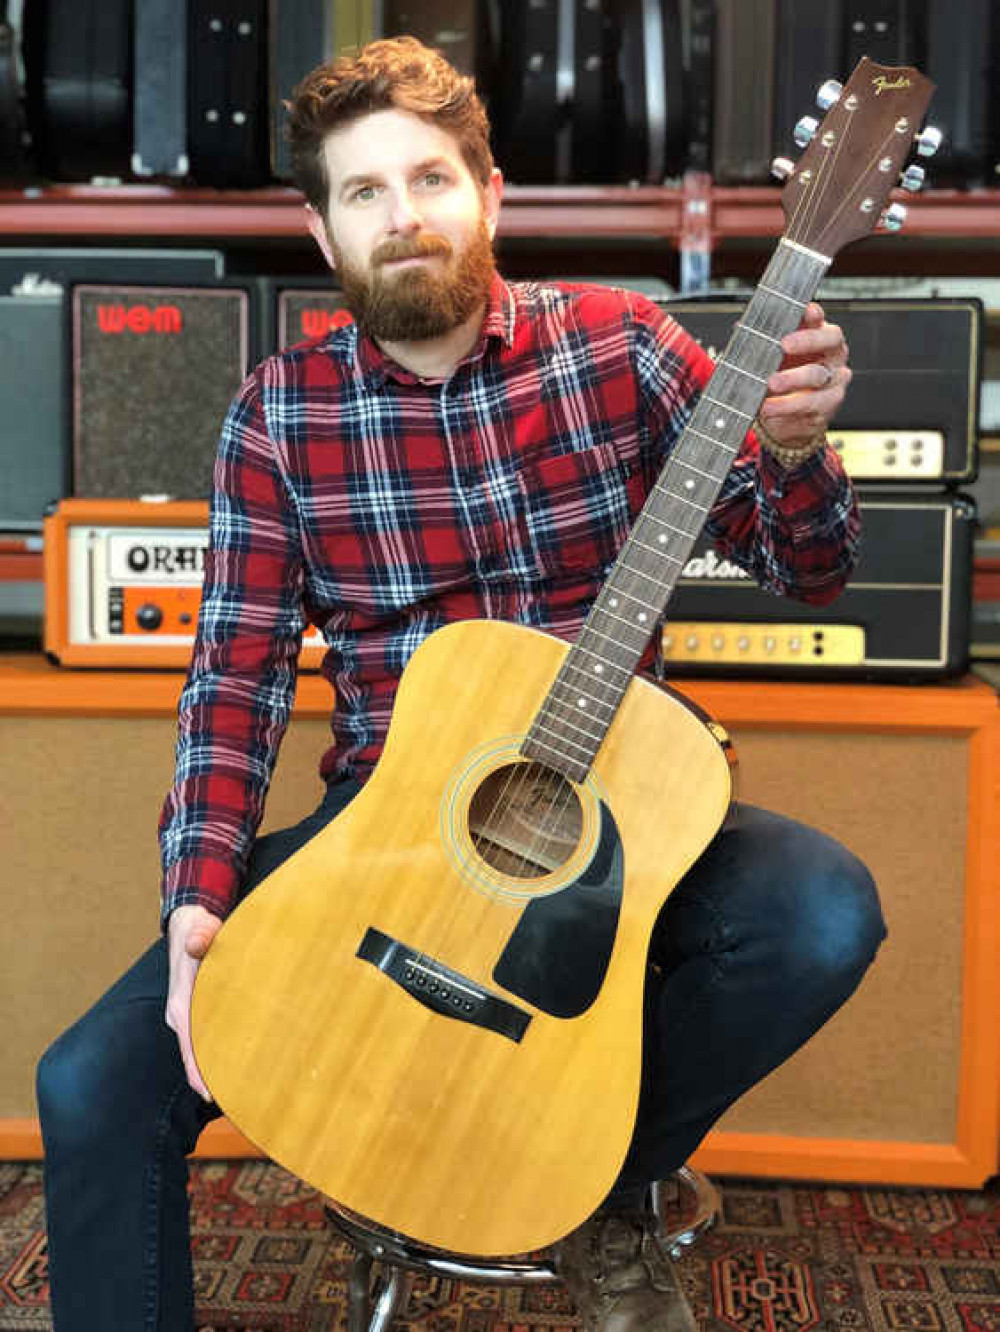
{"points": [[882, 84]]}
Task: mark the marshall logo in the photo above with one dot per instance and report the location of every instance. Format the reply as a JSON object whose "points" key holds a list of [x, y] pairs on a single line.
{"points": [[166, 559], [882, 84], [117, 319], [710, 566]]}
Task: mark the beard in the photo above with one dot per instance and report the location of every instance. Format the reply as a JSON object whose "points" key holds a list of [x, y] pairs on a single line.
{"points": [[424, 301]]}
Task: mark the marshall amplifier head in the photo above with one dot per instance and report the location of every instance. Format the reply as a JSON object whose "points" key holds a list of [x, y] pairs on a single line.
{"points": [[154, 369], [123, 583], [905, 614], [911, 411]]}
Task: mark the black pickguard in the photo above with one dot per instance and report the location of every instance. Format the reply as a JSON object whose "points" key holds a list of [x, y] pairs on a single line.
{"points": [[558, 954]]}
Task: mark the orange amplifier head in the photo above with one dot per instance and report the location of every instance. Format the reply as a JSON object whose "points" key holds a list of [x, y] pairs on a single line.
{"points": [[123, 583]]}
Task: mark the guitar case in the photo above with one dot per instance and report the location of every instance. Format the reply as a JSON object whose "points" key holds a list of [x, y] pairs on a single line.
{"points": [[14, 139], [699, 94], [228, 93], [651, 75], [963, 59], [810, 47], [160, 128], [745, 55], [531, 115], [78, 68], [301, 35], [890, 32]]}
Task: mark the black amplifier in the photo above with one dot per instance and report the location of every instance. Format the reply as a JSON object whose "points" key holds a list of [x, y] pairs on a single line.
{"points": [[905, 614], [911, 413]]}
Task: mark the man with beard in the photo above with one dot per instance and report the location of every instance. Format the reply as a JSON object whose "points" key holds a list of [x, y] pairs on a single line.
{"points": [[464, 447]]}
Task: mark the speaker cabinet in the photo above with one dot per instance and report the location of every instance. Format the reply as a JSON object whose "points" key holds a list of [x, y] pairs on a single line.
{"points": [[902, 1086], [154, 372]]}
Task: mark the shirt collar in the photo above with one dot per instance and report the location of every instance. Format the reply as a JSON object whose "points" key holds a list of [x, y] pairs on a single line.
{"points": [[498, 324]]}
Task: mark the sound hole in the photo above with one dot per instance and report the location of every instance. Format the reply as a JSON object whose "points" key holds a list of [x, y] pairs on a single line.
{"points": [[525, 820]]}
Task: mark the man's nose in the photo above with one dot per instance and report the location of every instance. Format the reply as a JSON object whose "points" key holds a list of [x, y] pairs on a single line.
{"points": [[404, 216]]}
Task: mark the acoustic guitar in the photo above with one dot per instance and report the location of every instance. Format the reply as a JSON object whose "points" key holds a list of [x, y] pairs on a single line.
{"points": [[432, 1012]]}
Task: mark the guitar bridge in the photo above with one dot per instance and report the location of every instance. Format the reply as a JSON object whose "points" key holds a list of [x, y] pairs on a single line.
{"points": [[439, 988]]}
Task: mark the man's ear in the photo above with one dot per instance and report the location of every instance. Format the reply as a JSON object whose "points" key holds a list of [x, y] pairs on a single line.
{"points": [[317, 229], [492, 193]]}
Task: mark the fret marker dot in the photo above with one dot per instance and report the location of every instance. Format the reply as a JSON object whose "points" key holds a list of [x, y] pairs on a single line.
{"points": [[642, 617], [613, 603], [720, 421], [581, 703], [662, 538], [598, 670], [689, 484]]}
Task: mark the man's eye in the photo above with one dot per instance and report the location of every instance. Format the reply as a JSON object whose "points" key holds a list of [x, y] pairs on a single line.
{"points": [[364, 193]]}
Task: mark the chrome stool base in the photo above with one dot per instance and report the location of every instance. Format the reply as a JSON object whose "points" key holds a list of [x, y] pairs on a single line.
{"points": [[685, 1205]]}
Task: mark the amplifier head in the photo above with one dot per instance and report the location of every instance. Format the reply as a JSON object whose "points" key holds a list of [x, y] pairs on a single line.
{"points": [[154, 369]]}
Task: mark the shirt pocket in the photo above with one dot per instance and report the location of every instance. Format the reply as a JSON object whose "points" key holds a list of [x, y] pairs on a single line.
{"points": [[579, 506]]}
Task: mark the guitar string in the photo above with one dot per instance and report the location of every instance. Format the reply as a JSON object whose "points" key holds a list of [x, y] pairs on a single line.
{"points": [[803, 213], [519, 775]]}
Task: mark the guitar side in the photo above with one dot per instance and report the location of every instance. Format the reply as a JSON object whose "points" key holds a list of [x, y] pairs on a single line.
{"points": [[465, 1135]]}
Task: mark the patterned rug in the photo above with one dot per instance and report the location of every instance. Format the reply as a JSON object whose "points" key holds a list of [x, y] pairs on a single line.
{"points": [[782, 1258]]}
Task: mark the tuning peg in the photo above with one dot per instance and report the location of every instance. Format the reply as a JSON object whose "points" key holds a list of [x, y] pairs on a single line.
{"points": [[804, 130], [929, 141], [782, 167], [894, 217], [913, 179], [829, 94]]}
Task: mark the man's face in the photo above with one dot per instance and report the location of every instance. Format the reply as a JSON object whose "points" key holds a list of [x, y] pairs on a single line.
{"points": [[408, 230]]}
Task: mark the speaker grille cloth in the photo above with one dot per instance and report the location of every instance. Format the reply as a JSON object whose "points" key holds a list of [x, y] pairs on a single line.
{"points": [[154, 370]]}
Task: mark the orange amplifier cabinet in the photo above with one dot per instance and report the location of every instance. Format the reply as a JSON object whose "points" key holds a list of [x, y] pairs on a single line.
{"points": [[123, 583]]}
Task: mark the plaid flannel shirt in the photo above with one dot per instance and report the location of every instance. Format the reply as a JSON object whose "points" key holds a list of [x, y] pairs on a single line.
{"points": [[352, 494]]}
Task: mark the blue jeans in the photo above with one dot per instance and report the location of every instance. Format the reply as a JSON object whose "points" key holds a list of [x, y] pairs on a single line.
{"points": [[763, 940]]}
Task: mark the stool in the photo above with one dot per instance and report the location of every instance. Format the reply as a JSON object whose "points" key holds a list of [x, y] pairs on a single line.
{"points": [[685, 1204]]}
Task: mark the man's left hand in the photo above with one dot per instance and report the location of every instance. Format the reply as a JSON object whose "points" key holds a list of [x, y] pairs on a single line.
{"points": [[808, 388]]}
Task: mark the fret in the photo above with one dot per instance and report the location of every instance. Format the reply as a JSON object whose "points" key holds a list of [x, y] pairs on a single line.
{"points": [[727, 406], [683, 462], [744, 327], [558, 722], [650, 560], [664, 554], [783, 295], [629, 624], [712, 439], [655, 518], [740, 371]]}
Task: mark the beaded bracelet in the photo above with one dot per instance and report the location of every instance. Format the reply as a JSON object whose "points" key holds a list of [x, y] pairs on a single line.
{"points": [[788, 457]]}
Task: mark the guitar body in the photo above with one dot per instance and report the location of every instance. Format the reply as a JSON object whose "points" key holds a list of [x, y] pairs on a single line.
{"points": [[449, 1042]]}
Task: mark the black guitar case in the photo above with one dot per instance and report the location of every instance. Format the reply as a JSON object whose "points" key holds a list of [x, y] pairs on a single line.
{"points": [[811, 41], [160, 103], [651, 73], [78, 67], [531, 115], [14, 141], [228, 93], [963, 59], [890, 32], [745, 45]]}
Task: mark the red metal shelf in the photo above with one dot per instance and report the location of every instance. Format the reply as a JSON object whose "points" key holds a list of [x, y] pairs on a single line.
{"points": [[557, 212]]}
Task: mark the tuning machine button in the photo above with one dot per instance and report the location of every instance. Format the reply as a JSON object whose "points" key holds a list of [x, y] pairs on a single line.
{"points": [[894, 217], [829, 94], [782, 167], [913, 179], [929, 141], [804, 130]]}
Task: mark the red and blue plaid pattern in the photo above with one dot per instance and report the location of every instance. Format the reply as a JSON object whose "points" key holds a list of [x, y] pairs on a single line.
{"points": [[378, 506]]}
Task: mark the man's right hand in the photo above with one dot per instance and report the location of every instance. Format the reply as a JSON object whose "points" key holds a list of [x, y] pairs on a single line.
{"points": [[190, 931]]}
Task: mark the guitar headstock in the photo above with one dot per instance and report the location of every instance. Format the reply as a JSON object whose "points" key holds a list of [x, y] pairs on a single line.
{"points": [[838, 189]]}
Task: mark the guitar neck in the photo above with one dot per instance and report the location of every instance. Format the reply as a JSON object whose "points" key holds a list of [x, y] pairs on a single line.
{"points": [[571, 724]]}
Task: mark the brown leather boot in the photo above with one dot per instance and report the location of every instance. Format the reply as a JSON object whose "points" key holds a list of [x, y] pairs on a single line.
{"points": [[620, 1278]]}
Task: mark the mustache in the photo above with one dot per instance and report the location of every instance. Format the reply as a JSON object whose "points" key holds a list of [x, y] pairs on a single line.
{"points": [[421, 247]]}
